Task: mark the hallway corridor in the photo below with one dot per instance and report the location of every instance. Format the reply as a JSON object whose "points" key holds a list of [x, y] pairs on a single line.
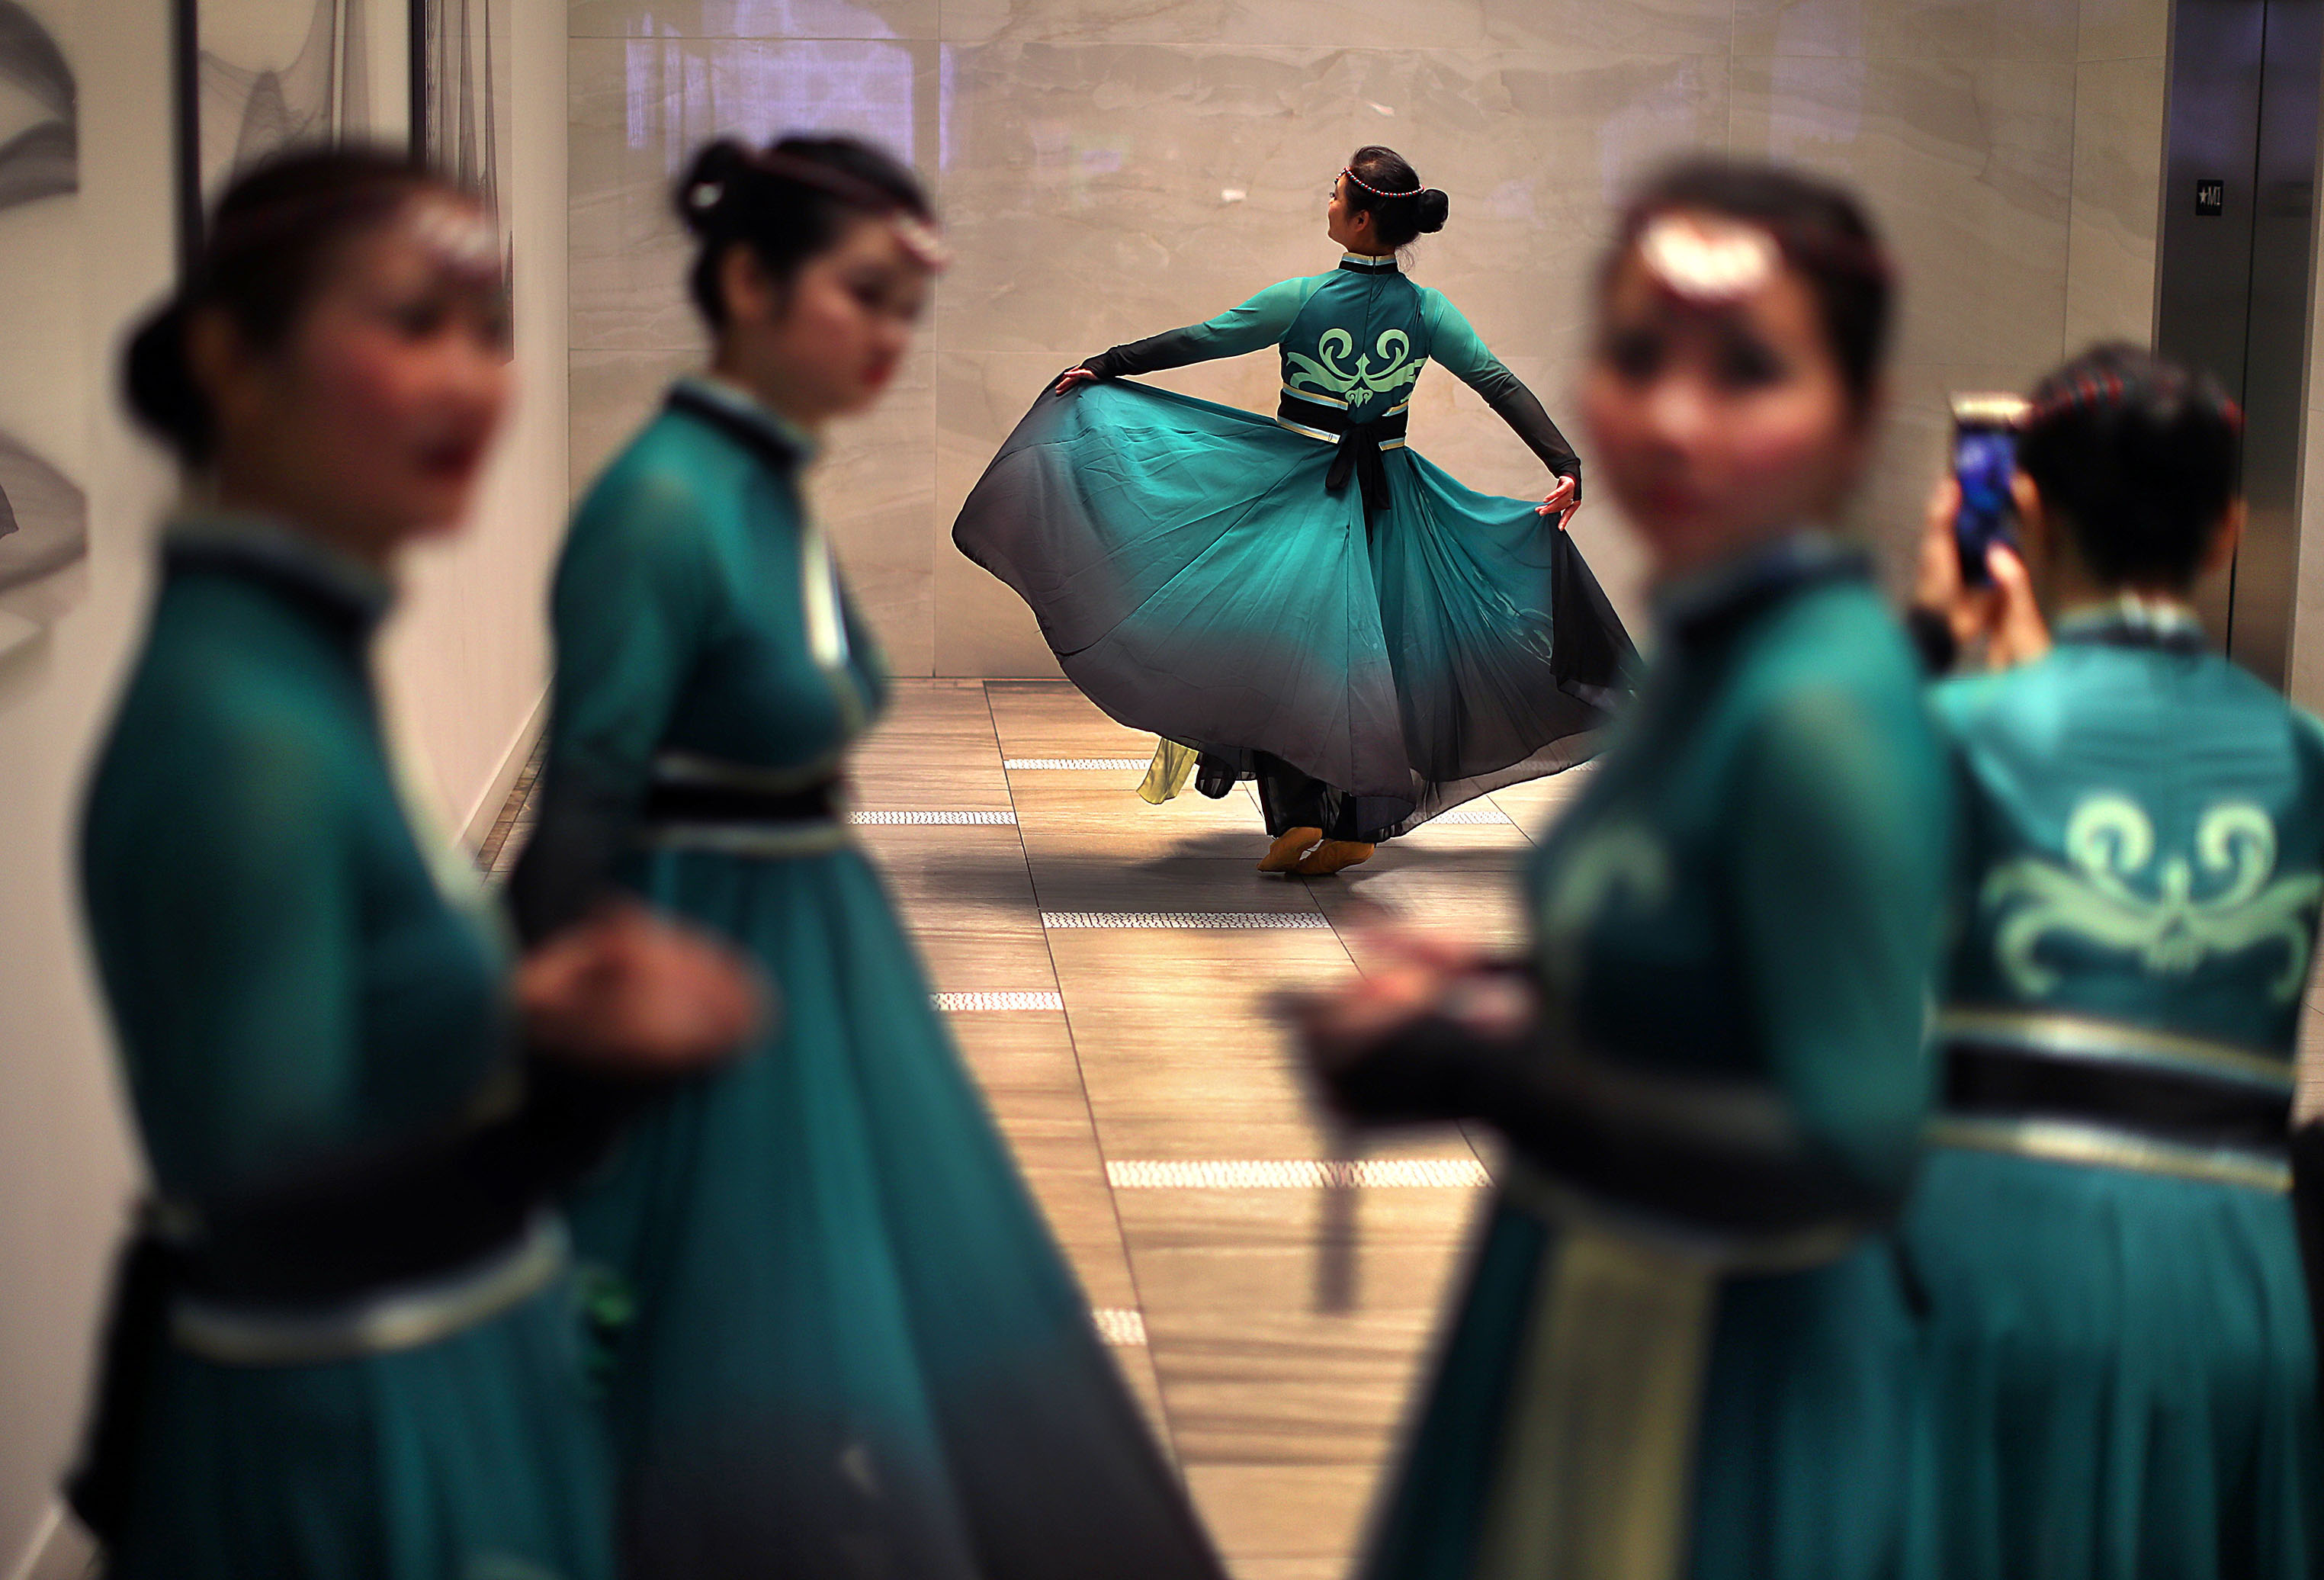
{"points": [[1105, 965]]}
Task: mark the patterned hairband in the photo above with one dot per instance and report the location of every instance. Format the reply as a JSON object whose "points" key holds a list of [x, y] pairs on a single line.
{"points": [[1707, 259], [2090, 390], [1707, 256], [1376, 191], [921, 239]]}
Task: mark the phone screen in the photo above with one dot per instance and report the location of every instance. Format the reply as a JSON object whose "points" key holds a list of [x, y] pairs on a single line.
{"points": [[1985, 460]]}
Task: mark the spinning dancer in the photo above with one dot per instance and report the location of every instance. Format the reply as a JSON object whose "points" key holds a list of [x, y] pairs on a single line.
{"points": [[857, 1352], [1302, 599]]}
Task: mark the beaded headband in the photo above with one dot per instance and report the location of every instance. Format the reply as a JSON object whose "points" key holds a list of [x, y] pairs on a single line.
{"points": [[1705, 259], [461, 234], [1711, 258], [1376, 191], [2088, 390], [921, 239]]}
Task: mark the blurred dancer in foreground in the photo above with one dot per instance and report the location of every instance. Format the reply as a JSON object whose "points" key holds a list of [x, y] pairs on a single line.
{"points": [[856, 1349], [1687, 1346], [345, 1347], [2122, 1368]]}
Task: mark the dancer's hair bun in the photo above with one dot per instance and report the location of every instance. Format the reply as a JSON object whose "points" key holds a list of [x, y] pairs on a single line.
{"points": [[158, 380], [708, 181], [1430, 209]]}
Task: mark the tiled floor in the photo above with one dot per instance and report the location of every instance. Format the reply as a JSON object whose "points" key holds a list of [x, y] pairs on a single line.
{"points": [[1120, 1059], [1163, 1053], [1126, 1062]]}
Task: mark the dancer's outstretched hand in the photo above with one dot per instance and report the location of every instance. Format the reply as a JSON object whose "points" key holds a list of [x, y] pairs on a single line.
{"points": [[1560, 502], [1073, 378]]}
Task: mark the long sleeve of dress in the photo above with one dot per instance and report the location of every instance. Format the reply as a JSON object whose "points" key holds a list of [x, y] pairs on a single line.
{"points": [[1254, 326], [1835, 888], [1456, 347], [243, 944], [633, 600]]}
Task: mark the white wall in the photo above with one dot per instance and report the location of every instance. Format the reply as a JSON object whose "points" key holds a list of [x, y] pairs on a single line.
{"points": [[466, 665], [65, 1167], [467, 658]]}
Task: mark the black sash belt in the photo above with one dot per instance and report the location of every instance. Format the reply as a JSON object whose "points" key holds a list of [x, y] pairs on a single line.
{"points": [[1994, 1080], [1360, 445], [695, 802], [393, 1215]]}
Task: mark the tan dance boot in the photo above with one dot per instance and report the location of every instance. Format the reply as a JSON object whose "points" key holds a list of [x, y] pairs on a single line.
{"points": [[1332, 855], [1284, 855]]}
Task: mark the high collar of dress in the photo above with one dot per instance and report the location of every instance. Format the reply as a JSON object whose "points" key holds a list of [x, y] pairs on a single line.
{"points": [[1365, 263], [1703, 602], [735, 410], [345, 592], [2133, 620]]}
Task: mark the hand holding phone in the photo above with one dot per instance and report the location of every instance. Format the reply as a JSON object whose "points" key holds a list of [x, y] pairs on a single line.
{"points": [[1985, 467]]}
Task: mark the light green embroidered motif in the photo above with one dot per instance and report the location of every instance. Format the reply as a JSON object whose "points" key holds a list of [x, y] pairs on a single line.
{"points": [[1619, 861], [1360, 387], [2110, 841]]}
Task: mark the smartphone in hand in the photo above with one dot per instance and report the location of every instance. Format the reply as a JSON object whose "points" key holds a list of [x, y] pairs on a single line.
{"points": [[1985, 462]]}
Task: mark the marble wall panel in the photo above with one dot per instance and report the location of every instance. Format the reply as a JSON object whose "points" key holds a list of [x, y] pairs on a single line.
{"points": [[611, 393], [1967, 166], [1387, 26], [752, 19], [2117, 200], [874, 488], [641, 107], [2305, 676], [1099, 193], [1112, 168], [2124, 29], [1640, 27], [1911, 30]]}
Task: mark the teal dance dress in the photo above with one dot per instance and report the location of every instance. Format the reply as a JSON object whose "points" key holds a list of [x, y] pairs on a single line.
{"points": [[1302, 598], [854, 1351], [2122, 1376], [314, 1392], [1686, 1344]]}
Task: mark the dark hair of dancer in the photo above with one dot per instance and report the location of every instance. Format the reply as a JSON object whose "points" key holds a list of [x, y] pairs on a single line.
{"points": [[2139, 455], [271, 242], [788, 202], [1822, 231], [1382, 185]]}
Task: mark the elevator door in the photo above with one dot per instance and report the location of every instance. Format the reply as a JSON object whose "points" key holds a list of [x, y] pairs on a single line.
{"points": [[2232, 281]]}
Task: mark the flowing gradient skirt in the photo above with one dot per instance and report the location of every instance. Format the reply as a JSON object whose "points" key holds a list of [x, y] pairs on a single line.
{"points": [[1196, 579], [2043, 1371], [2122, 1375], [855, 1352], [477, 1457]]}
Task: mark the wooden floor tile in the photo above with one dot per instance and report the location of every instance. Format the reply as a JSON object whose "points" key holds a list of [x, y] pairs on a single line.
{"points": [[1313, 1512], [1302, 1387], [1167, 1050]]}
